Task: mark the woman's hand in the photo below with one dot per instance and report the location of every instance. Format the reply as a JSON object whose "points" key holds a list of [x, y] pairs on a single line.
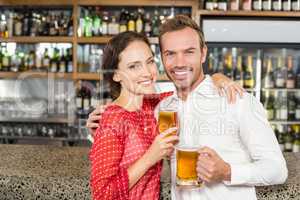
{"points": [[227, 87], [92, 122], [162, 146]]}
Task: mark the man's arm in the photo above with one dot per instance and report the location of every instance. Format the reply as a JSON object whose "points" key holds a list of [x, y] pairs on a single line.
{"points": [[268, 166]]}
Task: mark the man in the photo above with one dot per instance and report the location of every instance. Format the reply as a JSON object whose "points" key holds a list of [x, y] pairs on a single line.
{"points": [[239, 149]]}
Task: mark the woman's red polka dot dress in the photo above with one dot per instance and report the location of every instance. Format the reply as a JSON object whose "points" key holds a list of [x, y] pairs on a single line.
{"points": [[121, 139]]}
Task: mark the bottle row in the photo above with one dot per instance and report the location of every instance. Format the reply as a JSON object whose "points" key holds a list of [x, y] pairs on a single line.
{"points": [[257, 5], [282, 106], [19, 58], [35, 22], [35, 130], [276, 69], [288, 137], [96, 22], [88, 96]]}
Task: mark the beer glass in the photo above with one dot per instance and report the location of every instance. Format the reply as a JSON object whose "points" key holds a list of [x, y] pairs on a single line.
{"points": [[186, 158], [167, 119]]}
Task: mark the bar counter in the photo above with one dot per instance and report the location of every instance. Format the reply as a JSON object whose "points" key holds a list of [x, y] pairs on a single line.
{"points": [[50, 172]]}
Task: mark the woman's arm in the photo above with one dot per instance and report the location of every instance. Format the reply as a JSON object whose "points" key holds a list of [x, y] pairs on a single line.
{"points": [[227, 86]]}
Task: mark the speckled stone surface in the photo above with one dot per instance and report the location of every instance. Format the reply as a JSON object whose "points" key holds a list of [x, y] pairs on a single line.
{"points": [[51, 172], [43, 172]]}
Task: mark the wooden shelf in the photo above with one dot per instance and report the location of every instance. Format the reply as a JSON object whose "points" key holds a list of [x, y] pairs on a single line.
{"points": [[28, 39], [281, 89], [105, 39], [36, 2], [285, 122], [32, 74], [248, 13], [88, 76]]}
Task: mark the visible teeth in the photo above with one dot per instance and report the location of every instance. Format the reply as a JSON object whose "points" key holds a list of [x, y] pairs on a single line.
{"points": [[146, 82], [181, 73]]}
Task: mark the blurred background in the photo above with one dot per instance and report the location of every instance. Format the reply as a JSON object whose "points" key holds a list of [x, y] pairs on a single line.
{"points": [[51, 55]]}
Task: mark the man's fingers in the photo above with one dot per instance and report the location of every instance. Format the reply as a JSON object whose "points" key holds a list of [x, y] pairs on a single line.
{"points": [[207, 150]]}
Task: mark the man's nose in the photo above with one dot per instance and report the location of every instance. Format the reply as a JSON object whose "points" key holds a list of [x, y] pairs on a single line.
{"points": [[180, 60]]}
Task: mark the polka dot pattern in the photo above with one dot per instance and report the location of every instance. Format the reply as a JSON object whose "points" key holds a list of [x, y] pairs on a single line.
{"points": [[121, 139]]}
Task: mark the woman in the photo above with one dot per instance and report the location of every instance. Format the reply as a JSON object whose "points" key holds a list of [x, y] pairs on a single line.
{"points": [[127, 151]]}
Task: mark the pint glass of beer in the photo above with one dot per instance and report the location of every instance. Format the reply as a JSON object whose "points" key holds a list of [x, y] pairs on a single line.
{"points": [[167, 119], [186, 175]]}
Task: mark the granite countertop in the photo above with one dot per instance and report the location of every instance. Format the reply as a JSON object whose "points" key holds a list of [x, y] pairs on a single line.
{"points": [[50, 172]]}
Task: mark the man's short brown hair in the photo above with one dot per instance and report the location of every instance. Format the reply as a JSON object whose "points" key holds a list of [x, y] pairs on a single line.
{"points": [[180, 22]]}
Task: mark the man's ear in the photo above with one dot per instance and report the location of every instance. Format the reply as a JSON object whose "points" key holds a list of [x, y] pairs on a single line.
{"points": [[203, 54]]}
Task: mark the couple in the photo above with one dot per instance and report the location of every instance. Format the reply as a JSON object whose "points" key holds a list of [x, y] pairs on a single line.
{"points": [[240, 148]]}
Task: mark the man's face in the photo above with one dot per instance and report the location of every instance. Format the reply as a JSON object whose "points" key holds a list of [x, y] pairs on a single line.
{"points": [[182, 57]]}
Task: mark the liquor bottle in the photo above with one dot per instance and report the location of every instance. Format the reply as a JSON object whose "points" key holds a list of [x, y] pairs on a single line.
{"points": [[281, 137], [79, 97], [123, 21], [286, 5], [228, 66], [295, 5], [277, 5], [63, 62], [10, 25], [1, 56], [69, 60], [31, 60], [17, 25], [247, 4], [88, 24], [105, 23], [6, 60], [222, 5], [38, 61], [267, 5], [139, 21], [95, 100], [147, 25], [155, 24], [292, 104], [280, 75], [257, 5], [290, 82], [97, 23], [86, 99], [288, 140], [80, 30], [209, 4], [131, 23], [269, 78], [270, 105], [296, 143], [210, 63], [52, 25], [113, 26], [248, 74], [297, 99], [234, 4], [283, 106], [54, 62], [238, 74], [46, 60]]}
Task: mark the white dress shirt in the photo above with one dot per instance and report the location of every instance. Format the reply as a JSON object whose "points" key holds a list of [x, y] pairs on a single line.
{"points": [[241, 135]]}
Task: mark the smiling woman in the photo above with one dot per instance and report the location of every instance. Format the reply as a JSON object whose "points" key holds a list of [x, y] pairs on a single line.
{"points": [[126, 154]]}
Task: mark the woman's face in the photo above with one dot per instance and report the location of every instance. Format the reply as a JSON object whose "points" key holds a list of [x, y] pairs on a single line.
{"points": [[137, 71]]}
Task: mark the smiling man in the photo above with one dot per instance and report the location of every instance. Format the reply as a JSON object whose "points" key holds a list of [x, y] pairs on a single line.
{"points": [[238, 147]]}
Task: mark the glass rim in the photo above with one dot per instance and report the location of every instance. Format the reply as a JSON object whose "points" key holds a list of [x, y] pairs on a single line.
{"points": [[187, 148]]}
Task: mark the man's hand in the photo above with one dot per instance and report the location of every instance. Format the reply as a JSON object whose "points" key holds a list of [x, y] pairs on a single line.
{"points": [[92, 122], [211, 168]]}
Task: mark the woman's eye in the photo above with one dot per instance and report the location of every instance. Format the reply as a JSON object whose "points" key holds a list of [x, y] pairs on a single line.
{"points": [[131, 66]]}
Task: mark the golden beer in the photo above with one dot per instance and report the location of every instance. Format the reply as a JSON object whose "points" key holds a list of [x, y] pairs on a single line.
{"points": [[166, 120], [186, 167]]}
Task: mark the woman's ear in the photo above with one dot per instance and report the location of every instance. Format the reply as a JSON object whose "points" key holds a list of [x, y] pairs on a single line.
{"points": [[116, 77]]}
